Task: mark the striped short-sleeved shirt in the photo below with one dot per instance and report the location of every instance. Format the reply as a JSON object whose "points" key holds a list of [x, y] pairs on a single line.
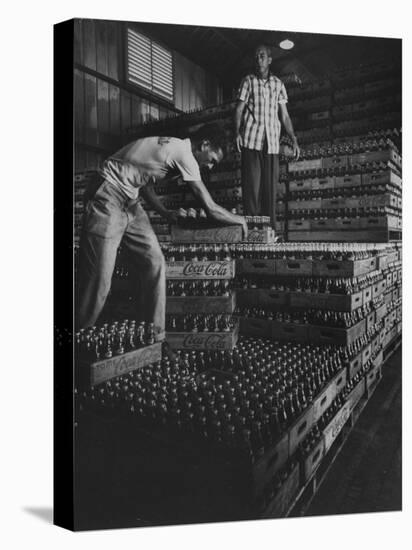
{"points": [[260, 116]]}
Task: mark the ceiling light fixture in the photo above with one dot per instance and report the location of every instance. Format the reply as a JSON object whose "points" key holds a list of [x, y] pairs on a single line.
{"points": [[286, 44]]}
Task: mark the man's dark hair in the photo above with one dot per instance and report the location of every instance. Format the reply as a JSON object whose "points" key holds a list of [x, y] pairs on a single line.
{"points": [[212, 132]]}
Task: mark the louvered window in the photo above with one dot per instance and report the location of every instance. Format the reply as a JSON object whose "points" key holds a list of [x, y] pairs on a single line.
{"points": [[149, 64]]}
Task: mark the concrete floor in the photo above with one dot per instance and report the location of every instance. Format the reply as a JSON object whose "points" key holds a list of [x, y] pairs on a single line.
{"points": [[367, 474]]}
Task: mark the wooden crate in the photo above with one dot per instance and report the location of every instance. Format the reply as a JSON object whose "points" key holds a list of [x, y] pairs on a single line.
{"points": [[294, 267], [375, 344], [378, 288], [247, 297], [334, 302], [335, 161], [224, 234], [366, 354], [388, 297], [202, 340], [333, 429], [261, 328], [324, 400], [370, 320], [358, 235], [381, 312], [281, 503], [389, 155], [352, 180], [372, 378], [266, 466], [356, 395], [203, 304], [310, 464], [266, 235], [289, 332], [201, 270], [271, 298], [367, 294], [92, 374], [338, 336], [382, 178], [345, 268], [354, 366], [300, 428], [299, 225], [256, 267]]}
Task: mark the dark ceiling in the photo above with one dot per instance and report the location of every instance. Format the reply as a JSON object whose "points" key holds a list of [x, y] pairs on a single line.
{"points": [[228, 53]]}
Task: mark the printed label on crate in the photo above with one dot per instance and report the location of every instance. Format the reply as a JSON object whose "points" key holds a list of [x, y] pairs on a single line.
{"points": [[202, 340], [201, 270], [332, 431], [106, 369], [261, 235]]}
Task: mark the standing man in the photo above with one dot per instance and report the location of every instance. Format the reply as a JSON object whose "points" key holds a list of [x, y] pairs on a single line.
{"points": [[261, 103], [114, 215]]}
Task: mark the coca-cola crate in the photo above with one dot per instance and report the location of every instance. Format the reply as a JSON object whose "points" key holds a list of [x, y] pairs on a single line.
{"points": [[324, 399], [299, 225], [287, 493], [394, 276], [251, 326], [388, 297], [300, 428], [300, 165], [381, 312], [92, 374], [354, 366], [334, 302], [301, 185], [205, 304], [345, 268], [366, 354], [294, 267], [399, 313], [202, 340], [333, 429], [201, 270], [379, 222], [382, 178], [247, 297], [375, 344], [270, 298], [378, 359], [225, 234], [366, 235], [328, 182], [311, 462], [370, 320], [388, 155], [367, 294], [373, 377], [338, 336], [256, 267], [265, 235], [335, 224], [393, 316], [347, 181], [398, 328], [289, 331], [356, 395], [335, 161], [266, 466], [382, 261]]}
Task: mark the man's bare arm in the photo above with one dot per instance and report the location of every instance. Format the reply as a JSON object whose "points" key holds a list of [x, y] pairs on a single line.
{"points": [[213, 210], [287, 123], [240, 105]]}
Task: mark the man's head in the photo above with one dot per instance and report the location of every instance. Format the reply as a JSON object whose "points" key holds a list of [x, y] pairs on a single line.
{"points": [[207, 145], [263, 59]]}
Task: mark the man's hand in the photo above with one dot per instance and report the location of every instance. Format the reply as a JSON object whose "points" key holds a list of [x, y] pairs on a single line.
{"points": [[171, 216], [296, 149], [238, 142]]}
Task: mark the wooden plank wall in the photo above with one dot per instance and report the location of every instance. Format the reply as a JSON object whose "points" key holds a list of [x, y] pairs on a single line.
{"points": [[106, 107]]}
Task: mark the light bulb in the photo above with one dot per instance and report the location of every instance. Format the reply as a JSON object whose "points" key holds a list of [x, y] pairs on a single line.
{"points": [[286, 44]]}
